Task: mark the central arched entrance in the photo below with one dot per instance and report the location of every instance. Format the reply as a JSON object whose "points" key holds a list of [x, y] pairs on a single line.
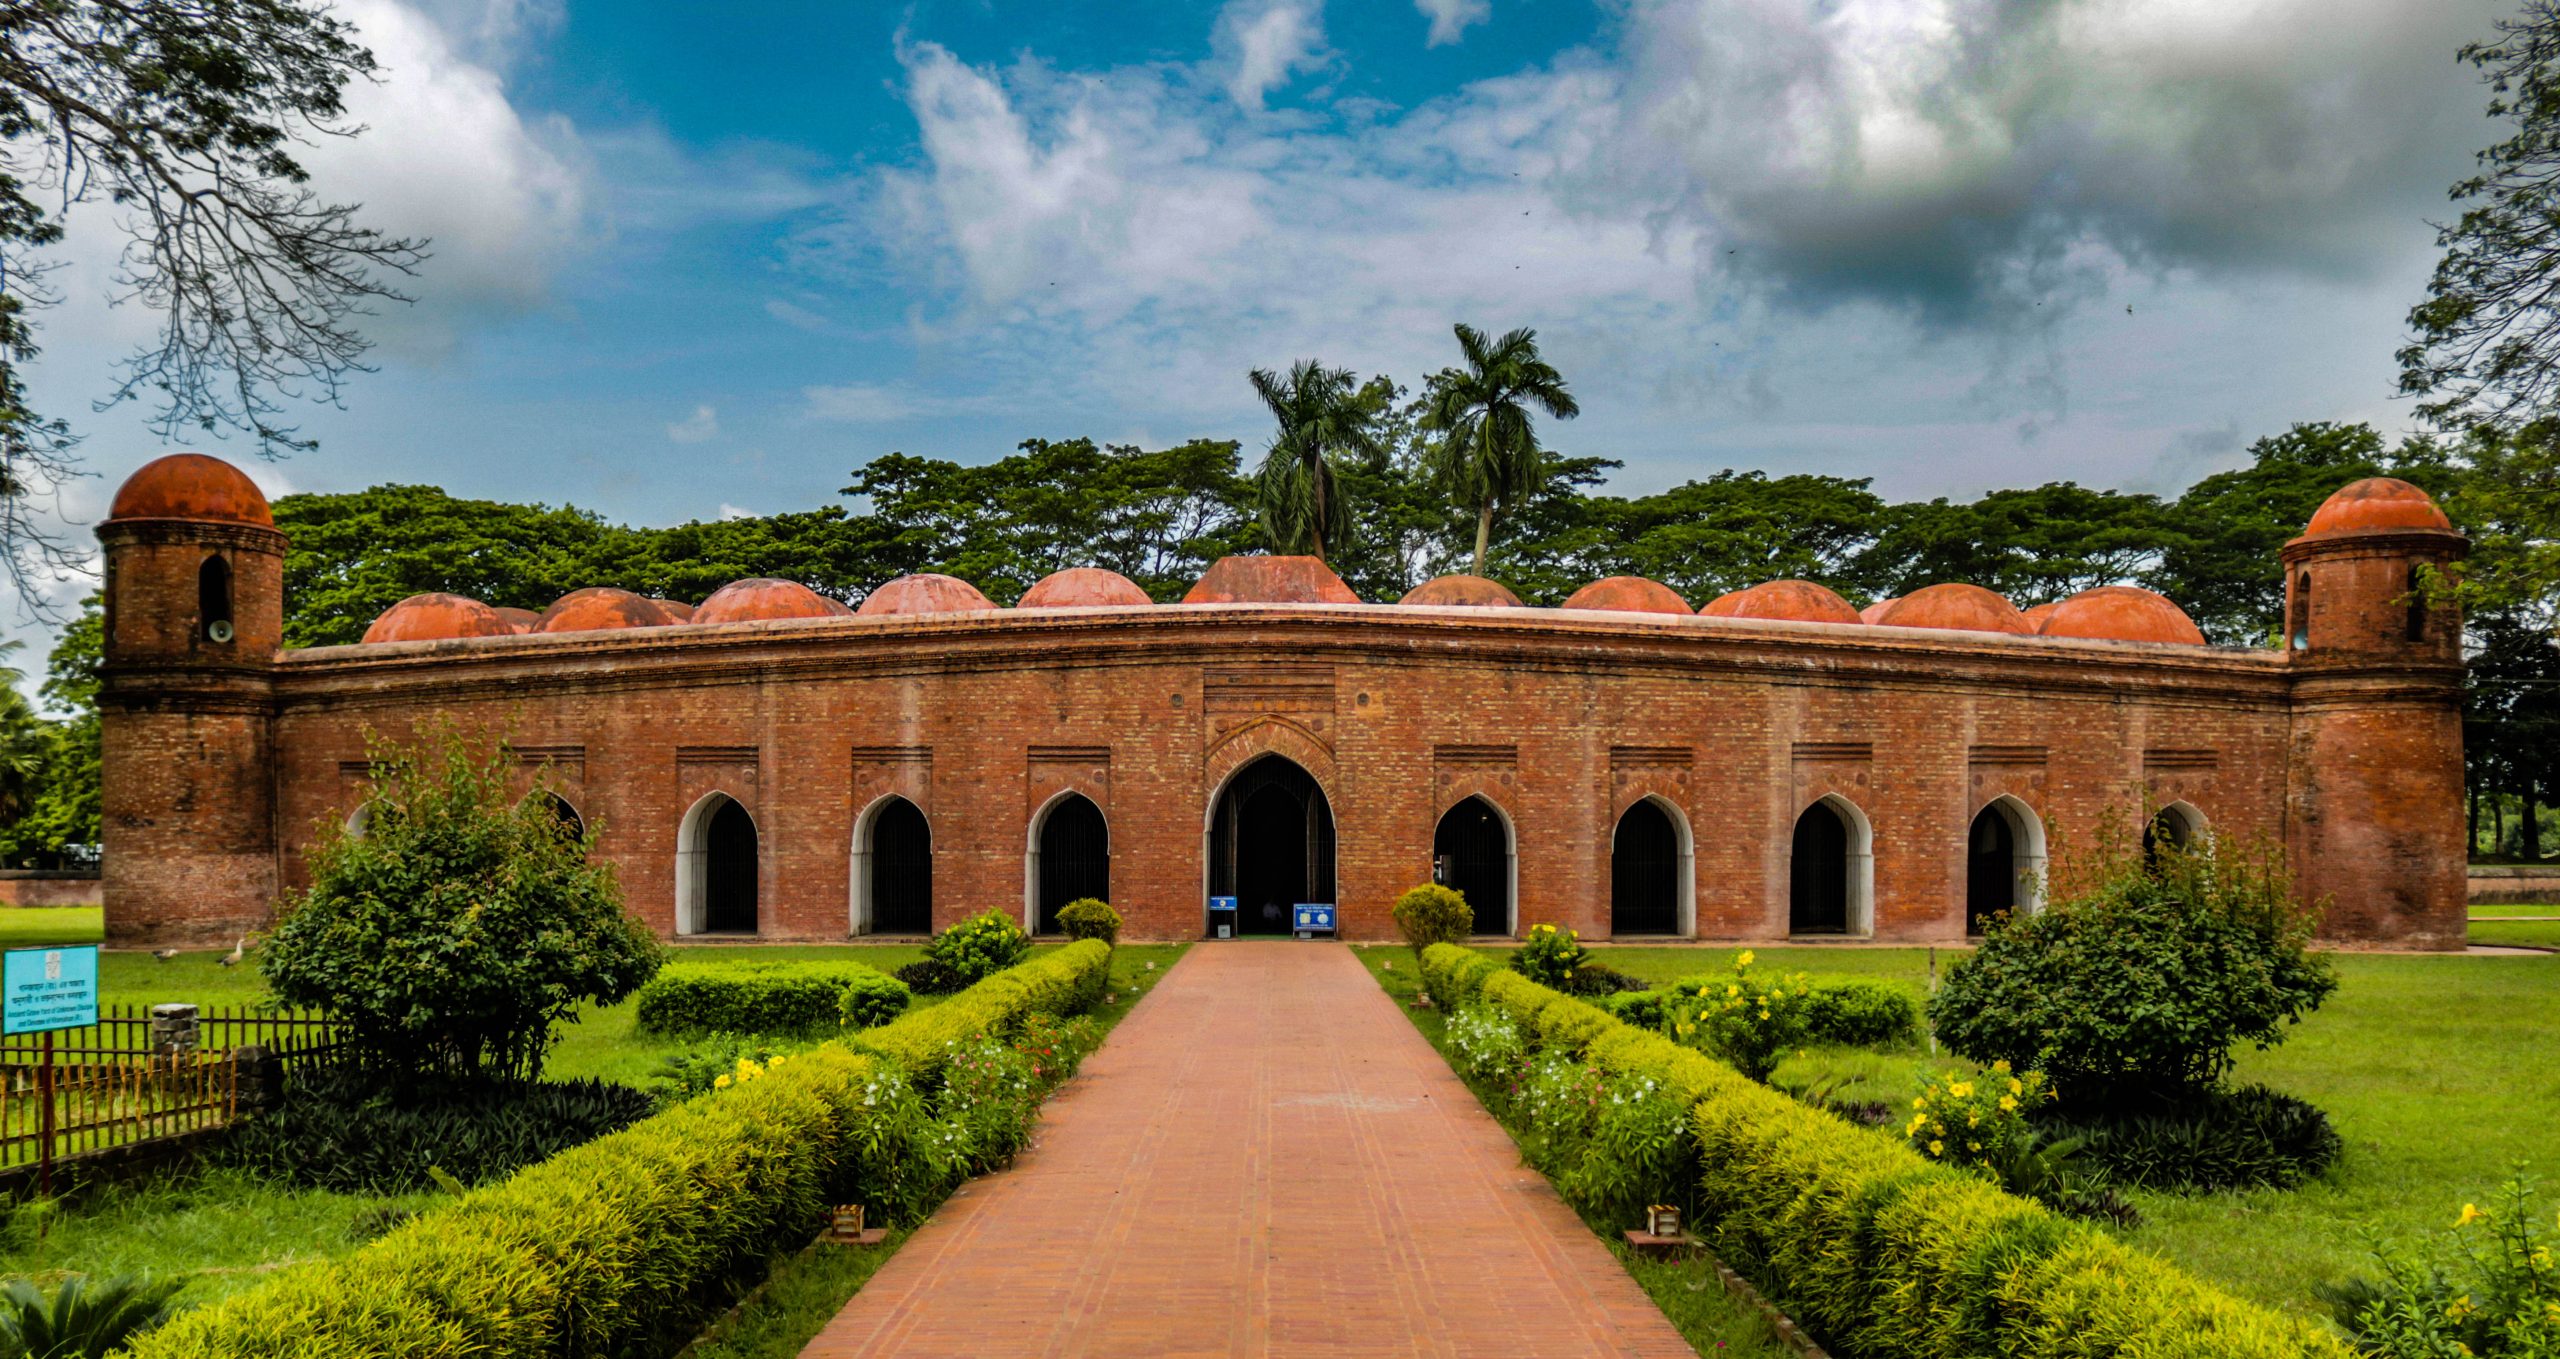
{"points": [[1070, 859], [1471, 851], [1271, 844]]}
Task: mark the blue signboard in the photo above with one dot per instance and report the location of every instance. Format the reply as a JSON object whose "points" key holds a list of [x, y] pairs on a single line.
{"points": [[42, 989], [1222, 903], [1315, 918]]}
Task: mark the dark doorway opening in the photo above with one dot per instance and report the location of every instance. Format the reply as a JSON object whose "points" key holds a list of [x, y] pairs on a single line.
{"points": [[1271, 844], [1075, 860], [901, 870], [1818, 896], [729, 871], [1644, 872], [213, 599], [572, 826], [1471, 851], [1991, 869], [2167, 830]]}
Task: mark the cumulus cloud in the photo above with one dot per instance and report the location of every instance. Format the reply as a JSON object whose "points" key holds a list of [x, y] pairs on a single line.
{"points": [[1451, 18], [1262, 43], [700, 427]]}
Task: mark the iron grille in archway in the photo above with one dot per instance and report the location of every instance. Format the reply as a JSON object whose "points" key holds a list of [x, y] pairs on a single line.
{"points": [[1271, 844], [1818, 895], [1075, 858], [1471, 851], [1644, 872], [729, 871], [901, 870]]}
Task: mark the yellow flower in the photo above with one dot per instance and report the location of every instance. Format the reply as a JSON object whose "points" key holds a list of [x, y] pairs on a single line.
{"points": [[2470, 1213], [2009, 1104], [1914, 1125], [1744, 960], [2001, 1066], [2016, 1086], [1961, 1090], [1936, 1147], [1920, 1101], [720, 1082], [1732, 990]]}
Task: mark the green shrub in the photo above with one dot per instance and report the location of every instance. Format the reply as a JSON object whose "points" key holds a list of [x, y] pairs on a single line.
{"points": [[349, 1131], [1452, 976], [979, 947], [1090, 918], [85, 1318], [925, 977], [1860, 1014], [1642, 1009], [2484, 1286], [768, 998], [1747, 1019], [2132, 993], [611, 1247], [1549, 956], [1066, 980], [462, 926], [2222, 1139], [1433, 914]]}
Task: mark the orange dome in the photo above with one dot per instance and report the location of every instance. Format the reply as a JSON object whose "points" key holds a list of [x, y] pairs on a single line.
{"points": [[675, 608], [1965, 608], [2377, 503], [192, 486], [1467, 591], [1799, 601], [518, 620], [1628, 594], [1874, 613], [924, 592], [2035, 617], [2121, 613], [1084, 587], [1270, 580], [760, 598], [598, 607], [836, 608], [436, 618]]}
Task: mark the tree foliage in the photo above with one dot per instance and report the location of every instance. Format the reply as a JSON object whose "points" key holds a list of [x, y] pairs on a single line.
{"points": [[1325, 420], [1487, 452]]}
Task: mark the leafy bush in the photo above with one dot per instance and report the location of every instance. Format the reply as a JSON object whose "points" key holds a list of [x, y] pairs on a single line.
{"points": [[350, 1131], [979, 947], [1067, 980], [2132, 993], [2484, 1286], [768, 998], [2221, 1139], [1433, 914], [1972, 1120], [462, 925], [926, 977], [1860, 1014], [1876, 1249], [85, 1319], [1488, 1051], [1595, 978], [1641, 1009], [1746, 1019], [610, 1247], [1090, 918], [1549, 956], [697, 1070]]}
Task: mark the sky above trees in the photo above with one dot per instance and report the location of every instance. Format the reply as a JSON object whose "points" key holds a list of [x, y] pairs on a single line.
{"points": [[689, 263]]}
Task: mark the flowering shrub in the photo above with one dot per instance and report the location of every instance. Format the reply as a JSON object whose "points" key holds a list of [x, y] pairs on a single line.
{"points": [[979, 947], [1549, 957], [1976, 1120], [2487, 1286], [1637, 1145], [1489, 1050], [1748, 1020], [1433, 914]]}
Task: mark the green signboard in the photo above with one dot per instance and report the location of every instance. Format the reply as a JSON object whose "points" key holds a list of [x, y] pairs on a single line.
{"points": [[43, 989]]}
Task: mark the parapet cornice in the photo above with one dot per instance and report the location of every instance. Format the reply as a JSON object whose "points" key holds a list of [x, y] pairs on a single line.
{"points": [[2376, 542], [163, 532], [1748, 650]]}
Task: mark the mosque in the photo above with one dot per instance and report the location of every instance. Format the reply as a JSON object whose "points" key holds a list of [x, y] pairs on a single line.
{"points": [[769, 764]]}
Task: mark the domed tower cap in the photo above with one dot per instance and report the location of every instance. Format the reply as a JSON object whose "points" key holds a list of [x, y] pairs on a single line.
{"points": [[437, 618], [517, 620], [924, 592], [2376, 503], [192, 486], [1629, 594], [1961, 608], [760, 599], [1270, 580], [676, 609], [1874, 613], [1795, 601], [2121, 613], [1084, 587], [1462, 591], [600, 607]]}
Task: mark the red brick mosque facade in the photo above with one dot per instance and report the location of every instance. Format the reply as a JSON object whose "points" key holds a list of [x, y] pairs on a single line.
{"points": [[769, 764]]}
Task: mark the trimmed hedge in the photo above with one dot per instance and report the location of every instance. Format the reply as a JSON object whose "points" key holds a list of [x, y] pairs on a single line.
{"points": [[612, 1246], [762, 998], [1852, 1013], [1068, 980], [1876, 1248]]}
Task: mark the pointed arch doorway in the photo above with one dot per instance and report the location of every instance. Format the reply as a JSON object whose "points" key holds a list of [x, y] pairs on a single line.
{"points": [[1271, 843]]}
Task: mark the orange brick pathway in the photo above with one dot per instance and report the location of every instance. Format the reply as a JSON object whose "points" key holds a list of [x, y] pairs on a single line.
{"points": [[1265, 1159]]}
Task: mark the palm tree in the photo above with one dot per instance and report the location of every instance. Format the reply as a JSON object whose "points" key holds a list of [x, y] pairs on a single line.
{"points": [[1322, 420], [1489, 449]]}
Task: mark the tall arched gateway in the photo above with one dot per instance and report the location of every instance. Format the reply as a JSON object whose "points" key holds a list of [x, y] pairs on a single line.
{"points": [[1070, 859], [1271, 844], [1644, 872], [898, 868], [1818, 872], [716, 868], [1471, 851]]}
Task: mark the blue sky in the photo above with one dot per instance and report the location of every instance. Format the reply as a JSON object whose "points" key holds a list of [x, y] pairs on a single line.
{"points": [[701, 260]]}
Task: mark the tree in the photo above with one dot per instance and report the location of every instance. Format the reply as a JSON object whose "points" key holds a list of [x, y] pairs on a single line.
{"points": [[2507, 497], [1488, 452], [54, 815], [2223, 568], [351, 556], [188, 119], [1324, 419]]}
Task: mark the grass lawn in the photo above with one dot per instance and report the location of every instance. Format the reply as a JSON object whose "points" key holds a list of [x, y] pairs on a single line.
{"points": [[26, 926], [2436, 1070], [2535, 908], [2517, 933]]}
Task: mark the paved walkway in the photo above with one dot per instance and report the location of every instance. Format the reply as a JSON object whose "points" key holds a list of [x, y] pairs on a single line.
{"points": [[1265, 1159]]}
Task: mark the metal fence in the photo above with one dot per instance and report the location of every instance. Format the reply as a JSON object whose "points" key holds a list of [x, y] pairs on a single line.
{"points": [[81, 1091]]}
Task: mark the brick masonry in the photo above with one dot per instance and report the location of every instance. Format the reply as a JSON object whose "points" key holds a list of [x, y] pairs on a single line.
{"points": [[225, 763]]}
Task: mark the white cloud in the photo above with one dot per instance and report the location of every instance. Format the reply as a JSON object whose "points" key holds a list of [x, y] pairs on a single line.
{"points": [[1451, 18], [796, 317], [1264, 42], [858, 404], [700, 427], [729, 511]]}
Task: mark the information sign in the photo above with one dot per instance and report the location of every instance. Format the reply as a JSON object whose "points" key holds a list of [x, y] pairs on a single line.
{"points": [[43, 989], [1315, 917]]}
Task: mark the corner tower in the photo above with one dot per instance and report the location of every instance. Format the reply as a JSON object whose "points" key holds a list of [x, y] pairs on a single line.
{"points": [[194, 619], [2374, 798]]}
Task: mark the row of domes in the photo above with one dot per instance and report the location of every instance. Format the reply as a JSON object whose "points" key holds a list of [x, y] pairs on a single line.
{"points": [[2119, 613]]}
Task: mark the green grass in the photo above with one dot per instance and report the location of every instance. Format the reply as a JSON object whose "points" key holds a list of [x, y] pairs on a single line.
{"points": [[2518, 933], [2532, 908], [27, 926], [1689, 1293], [2436, 1070]]}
